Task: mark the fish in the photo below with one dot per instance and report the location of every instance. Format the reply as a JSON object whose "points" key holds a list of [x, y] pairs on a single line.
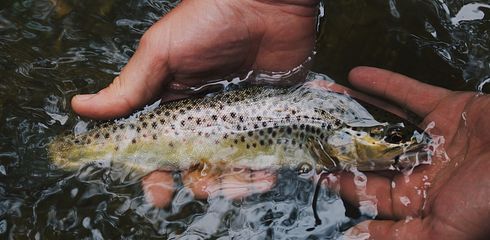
{"points": [[256, 127]]}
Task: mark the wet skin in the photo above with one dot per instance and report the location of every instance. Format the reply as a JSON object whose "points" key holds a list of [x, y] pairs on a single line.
{"points": [[206, 39], [457, 202], [259, 35]]}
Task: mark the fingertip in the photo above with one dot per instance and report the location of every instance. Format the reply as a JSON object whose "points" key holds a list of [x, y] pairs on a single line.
{"points": [[103, 105], [158, 187]]}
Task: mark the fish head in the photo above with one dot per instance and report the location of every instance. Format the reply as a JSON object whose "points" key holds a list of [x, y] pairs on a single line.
{"points": [[380, 147]]}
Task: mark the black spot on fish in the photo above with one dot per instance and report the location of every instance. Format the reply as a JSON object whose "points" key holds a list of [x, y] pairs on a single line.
{"points": [[293, 142], [131, 126], [182, 111], [97, 135], [261, 132], [238, 127], [307, 128], [151, 116], [302, 135], [242, 138], [77, 141], [138, 129], [189, 108], [233, 115], [302, 126], [144, 124], [174, 117], [269, 130], [337, 122], [259, 118], [89, 141], [261, 142], [225, 136], [154, 125], [116, 148], [250, 134], [106, 135], [189, 118], [236, 141], [182, 123], [114, 129], [329, 126], [223, 117], [241, 118], [264, 124], [289, 130], [271, 142], [133, 141], [256, 126], [167, 113], [273, 134], [295, 127], [214, 117], [254, 145], [158, 112], [171, 144], [293, 112], [162, 121], [248, 146], [198, 121]]}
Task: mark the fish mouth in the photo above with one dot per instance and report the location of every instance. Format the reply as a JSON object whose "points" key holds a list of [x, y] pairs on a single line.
{"points": [[412, 158]]}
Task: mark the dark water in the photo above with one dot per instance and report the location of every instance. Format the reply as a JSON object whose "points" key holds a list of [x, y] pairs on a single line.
{"points": [[48, 55]]}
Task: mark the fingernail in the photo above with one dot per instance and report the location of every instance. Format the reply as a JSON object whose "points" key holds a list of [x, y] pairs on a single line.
{"points": [[84, 97]]}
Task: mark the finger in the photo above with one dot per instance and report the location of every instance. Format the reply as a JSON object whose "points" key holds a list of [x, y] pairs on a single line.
{"points": [[379, 230], [418, 97], [245, 183], [140, 82], [231, 184], [392, 198], [159, 188], [360, 96]]}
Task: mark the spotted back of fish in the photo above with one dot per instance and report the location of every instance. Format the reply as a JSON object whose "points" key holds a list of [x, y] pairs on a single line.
{"points": [[254, 127]]}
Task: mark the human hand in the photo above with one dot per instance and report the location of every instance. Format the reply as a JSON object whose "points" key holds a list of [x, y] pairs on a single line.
{"points": [[202, 40], [449, 199]]}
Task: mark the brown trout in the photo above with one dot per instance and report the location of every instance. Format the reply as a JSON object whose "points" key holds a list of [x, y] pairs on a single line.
{"points": [[255, 127]]}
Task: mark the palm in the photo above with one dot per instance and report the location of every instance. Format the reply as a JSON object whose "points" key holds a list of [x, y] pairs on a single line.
{"points": [[446, 197]]}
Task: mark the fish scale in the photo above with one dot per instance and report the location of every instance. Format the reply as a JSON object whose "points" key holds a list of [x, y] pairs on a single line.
{"points": [[255, 127]]}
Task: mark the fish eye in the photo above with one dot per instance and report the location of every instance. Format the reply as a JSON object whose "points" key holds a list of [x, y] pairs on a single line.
{"points": [[394, 134]]}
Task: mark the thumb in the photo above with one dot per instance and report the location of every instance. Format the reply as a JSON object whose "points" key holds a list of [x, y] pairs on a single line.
{"points": [[140, 82]]}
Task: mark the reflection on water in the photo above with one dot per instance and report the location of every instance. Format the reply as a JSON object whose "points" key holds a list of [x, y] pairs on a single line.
{"points": [[438, 41], [53, 49]]}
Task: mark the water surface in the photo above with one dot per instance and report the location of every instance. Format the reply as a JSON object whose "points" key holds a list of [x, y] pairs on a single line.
{"points": [[48, 54]]}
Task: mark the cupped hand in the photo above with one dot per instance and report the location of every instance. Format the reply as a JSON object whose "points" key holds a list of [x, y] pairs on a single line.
{"points": [[449, 199], [201, 40]]}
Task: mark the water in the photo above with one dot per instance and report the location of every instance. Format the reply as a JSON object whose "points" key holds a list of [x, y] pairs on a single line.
{"points": [[48, 54]]}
